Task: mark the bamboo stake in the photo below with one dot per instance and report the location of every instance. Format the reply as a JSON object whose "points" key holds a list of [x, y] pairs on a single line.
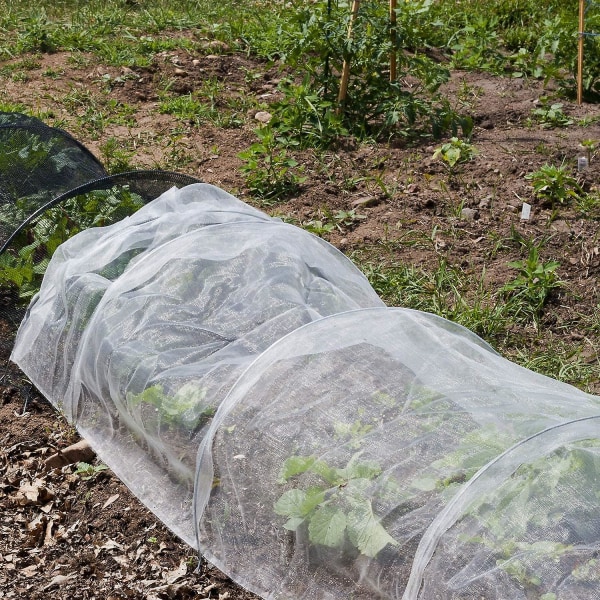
{"points": [[580, 52], [393, 40], [346, 67], [327, 56]]}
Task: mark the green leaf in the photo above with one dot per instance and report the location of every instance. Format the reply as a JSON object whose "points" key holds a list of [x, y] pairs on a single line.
{"points": [[367, 469], [314, 497], [152, 395], [330, 475], [366, 532], [299, 503], [293, 523], [452, 156], [295, 465], [290, 503], [327, 527]]}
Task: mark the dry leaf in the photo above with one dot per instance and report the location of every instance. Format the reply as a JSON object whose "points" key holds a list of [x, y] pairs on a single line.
{"points": [[110, 501], [36, 529], [110, 545], [29, 571], [123, 561], [37, 525], [172, 576], [33, 493], [58, 580], [47, 507], [48, 537]]}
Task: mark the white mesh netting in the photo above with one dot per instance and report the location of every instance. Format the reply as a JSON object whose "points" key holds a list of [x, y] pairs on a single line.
{"points": [[244, 380]]}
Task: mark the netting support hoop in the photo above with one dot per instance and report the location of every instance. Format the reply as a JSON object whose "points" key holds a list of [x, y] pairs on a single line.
{"points": [[96, 184]]}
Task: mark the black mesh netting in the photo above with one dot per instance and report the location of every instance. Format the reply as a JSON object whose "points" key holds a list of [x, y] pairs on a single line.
{"points": [[52, 187], [244, 380]]}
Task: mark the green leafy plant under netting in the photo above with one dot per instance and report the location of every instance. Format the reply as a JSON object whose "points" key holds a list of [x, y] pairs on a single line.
{"points": [[337, 509]]}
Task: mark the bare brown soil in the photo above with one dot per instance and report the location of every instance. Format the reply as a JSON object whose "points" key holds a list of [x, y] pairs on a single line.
{"points": [[64, 536]]}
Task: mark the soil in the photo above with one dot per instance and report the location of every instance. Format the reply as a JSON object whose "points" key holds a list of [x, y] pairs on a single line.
{"points": [[69, 535]]}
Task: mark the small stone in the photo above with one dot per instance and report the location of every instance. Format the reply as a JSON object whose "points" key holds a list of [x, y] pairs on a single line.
{"points": [[485, 203], [180, 73], [81, 451], [469, 214], [217, 45], [263, 116], [366, 201]]}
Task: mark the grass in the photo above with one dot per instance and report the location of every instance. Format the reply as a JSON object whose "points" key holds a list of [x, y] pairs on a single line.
{"points": [[512, 317], [443, 290], [207, 104]]}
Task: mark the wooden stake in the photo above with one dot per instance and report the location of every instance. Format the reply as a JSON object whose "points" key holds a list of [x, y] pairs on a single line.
{"points": [[346, 67], [393, 40], [580, 52]]}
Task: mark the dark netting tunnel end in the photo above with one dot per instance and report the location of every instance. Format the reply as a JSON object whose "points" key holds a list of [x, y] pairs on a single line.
{"points": [[242, 377]]}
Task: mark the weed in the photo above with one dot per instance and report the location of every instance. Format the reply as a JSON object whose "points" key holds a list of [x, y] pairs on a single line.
{"points": [[454, 153], [87, 471], [533, 286], [116, 158], [306, 116], [14, 107], [554, 184], [551, 115], [53, 73], [588, 205], [328, 222], [203, 106], [271, 174], [543, 149], [186, 107], [442, 291], [319, 227], [561, 361]]}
